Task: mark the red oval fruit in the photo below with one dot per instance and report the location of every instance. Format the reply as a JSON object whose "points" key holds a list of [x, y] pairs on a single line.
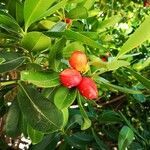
{"points": [[78, 61], [70, 78], [68, 21], [104, 59], [88, 88]]}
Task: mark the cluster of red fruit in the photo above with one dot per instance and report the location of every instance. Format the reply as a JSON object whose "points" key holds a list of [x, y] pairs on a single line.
{"points": [[71, 77]]}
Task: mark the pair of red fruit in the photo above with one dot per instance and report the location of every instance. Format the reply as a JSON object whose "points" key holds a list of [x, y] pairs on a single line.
{"points": [[71, 77]]}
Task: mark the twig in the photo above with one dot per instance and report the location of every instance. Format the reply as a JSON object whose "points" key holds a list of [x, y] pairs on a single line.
{"points": [[113, 100]]}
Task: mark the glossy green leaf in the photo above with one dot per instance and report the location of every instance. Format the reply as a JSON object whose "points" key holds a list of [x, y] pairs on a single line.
{"points": [[24, 125], [34, 9], [116, 64], [109, 117], [87, 122], [49, 141], [75, 119], [54, 8], [58, 27], [11, 6], [8, 22], [10, 63], [39, 112], [74, 13], [125, 138], [19, 12], [88, 4], [64, 97], [35, 135], [12, 127], [137, 38], [107, 66], [140, 78], [100, 80], [65, 116], [35, 41], [82, 38], [41, 79]]}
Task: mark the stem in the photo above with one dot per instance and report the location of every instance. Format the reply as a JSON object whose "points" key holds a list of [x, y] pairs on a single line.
{"points": [[7, 83]]}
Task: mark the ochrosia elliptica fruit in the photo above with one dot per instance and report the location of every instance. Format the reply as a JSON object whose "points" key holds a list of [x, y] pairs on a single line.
{"points": [[70, 78], [68, 21], [104, 59], [78, 61], [88, 88]]}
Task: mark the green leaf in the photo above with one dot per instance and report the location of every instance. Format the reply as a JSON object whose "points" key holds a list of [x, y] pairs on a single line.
{"points": [[65, 116], [8, 36], [34, 9], [58, 27], [100, 143], [116, 64], [19, 12], [35, 41], [24, 126], [39, 112], [82, 38], [64, 97], [56, 52], [8, 22], [140, 78], [74, 13], [131, 126], [140, 98], [108, 22], [79, 140], [54, 8], [12, 126], [100, 80], [11, 61], [71, 47], [109, 117], [126, 137], [88, 4], [137, 38], [49, 142], [107, 66], [35, 135], [41, 79], [87, 122], [11, 6], [2, 60], [76, 119]]}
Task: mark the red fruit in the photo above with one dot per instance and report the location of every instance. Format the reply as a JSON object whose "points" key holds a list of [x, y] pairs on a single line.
{"points": [[88, 88], [104, 59], [78, 61], [68, 21], [70, 78]]}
